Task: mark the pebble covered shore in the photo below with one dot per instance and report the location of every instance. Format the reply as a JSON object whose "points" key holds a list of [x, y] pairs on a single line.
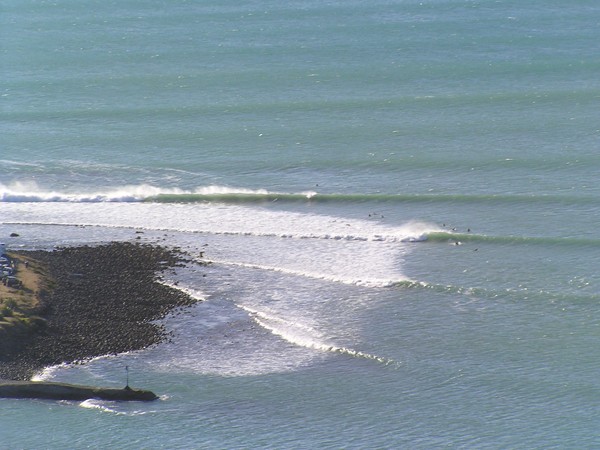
{"points": [[104, 301]]}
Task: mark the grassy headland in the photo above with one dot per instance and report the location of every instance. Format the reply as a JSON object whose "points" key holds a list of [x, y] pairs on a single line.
{"points": [[19, 304]]}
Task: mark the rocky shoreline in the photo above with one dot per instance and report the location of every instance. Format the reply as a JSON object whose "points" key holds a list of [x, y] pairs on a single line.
{"points": [[104, 300]]}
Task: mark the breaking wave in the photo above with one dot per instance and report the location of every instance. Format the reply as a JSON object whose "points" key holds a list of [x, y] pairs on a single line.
{"points": [[364, 281], [31, 192], [303, 335]]}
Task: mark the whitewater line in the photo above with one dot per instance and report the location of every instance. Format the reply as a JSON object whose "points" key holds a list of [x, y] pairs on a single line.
{"points": [[390, 238], [311, 340], [372, 283]]}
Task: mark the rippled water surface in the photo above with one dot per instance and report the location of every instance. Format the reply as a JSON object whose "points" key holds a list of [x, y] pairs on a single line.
{"points": [[397, 202]]}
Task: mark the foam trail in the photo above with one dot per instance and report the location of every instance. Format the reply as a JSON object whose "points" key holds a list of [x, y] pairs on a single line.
{"points": [[305, 336], [55, 372], [341, 250], [219, 220], [111, 407], [30, 192], [369, 282], [194, 293], [48, 373], [99, 405]]}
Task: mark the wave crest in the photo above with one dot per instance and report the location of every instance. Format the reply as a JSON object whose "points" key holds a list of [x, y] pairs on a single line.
{"points": [[305, 336], [31, 192]]}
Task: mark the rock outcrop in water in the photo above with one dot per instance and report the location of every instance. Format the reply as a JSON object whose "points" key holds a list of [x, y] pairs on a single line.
{"points": [[104, 301], [64, 391]]}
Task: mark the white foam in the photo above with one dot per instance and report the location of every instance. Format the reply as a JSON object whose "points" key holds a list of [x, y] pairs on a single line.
{"points": [[350, 251], [99, 405], [196, 294], [367, 282], [48, 373], [30, 192], [111, 407], [211, 338], [214, 219], [303, 335]]}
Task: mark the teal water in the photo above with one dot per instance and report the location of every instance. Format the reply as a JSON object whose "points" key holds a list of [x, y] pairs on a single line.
{"points": [[398, 200]]}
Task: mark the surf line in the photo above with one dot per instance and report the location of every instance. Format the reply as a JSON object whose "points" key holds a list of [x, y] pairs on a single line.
{"points": [[370, 283], [305, 336]]}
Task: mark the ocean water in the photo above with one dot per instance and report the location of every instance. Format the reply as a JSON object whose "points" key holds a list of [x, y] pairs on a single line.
{"points": [[398, 200]]}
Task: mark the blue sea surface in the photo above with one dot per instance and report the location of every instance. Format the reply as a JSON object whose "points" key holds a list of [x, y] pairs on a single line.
{"points": [[398, 201]]}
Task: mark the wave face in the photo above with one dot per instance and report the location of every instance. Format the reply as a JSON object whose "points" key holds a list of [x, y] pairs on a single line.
{"points": [[31, 192]]}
